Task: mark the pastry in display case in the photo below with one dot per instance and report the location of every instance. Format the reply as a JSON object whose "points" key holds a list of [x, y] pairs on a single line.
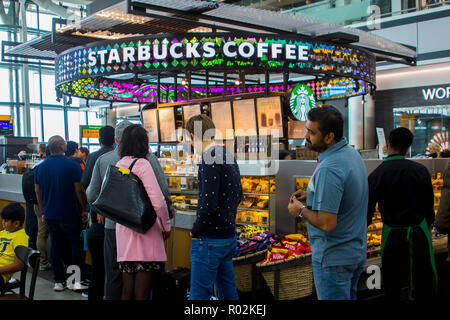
{"points": [[437, 181], [301, 184], [254, 209], [374, 234], [255, 206]]}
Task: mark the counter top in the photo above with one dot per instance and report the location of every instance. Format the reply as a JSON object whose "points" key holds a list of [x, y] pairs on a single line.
{"points": [[11, 187], [184, 220]]}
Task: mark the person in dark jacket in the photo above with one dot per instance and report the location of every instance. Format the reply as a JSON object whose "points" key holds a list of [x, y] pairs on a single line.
{"points": [[405, 199], [96, 232], [106, 140], [219, 194]]}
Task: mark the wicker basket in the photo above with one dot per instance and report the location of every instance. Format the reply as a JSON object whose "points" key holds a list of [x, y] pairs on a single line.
{"points": [[246, 275], [289, 279]]}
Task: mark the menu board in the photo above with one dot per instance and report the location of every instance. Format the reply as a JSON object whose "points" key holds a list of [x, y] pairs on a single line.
{"points": [[269, 116], [149, 122], [244, 117], [296, 129], [167, 125], [221, 116], [189, 111]]}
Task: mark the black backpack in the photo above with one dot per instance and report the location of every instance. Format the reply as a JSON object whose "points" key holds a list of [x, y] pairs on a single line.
{"points": [[28, 187]]}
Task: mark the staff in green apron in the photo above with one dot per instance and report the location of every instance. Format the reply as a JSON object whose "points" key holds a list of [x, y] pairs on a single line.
{"points": [[404, 193]]}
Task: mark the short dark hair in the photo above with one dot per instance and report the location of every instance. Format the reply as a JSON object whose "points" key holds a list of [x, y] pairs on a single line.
{"points": [[42, 147], [13, 212], [85, 150], [400, 139], [206, 121], [134, 142], [284, 153], [106, 136], [445, 153], [72, 146], [329, 119]]}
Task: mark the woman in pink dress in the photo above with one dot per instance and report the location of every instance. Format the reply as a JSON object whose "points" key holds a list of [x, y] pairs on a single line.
{"points": [[141, 256]]}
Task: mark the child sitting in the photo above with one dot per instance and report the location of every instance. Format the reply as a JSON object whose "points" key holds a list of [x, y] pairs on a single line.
{"points": [[13, 235]]}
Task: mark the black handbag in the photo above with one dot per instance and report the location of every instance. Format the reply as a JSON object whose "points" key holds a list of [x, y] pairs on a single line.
{"points": [[124, 200]]}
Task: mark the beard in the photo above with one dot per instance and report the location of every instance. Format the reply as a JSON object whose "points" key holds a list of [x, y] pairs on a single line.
{"points": [[318, 147]]}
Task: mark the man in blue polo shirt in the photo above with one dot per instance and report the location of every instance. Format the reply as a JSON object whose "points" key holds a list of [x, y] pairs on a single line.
{"points": [[62, 199], [336, 206]]}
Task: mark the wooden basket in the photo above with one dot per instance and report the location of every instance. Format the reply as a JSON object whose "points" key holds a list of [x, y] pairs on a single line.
{"points": [[289, 279], [246, 275]]}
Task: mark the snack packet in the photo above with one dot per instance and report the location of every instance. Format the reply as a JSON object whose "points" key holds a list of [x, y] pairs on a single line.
{"points": [[278, 254], [291, 245], [295, 237]]}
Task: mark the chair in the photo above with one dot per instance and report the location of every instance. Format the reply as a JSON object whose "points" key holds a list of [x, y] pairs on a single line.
{"points": [[30, 259]]}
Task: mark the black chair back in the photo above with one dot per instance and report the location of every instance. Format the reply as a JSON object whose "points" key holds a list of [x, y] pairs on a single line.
{"points": [[30, 259]]}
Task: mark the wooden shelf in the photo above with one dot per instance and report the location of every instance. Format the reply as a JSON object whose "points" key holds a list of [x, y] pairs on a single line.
{"points": [[250, 224], [253, 209], [191, 192], [256, 194]]}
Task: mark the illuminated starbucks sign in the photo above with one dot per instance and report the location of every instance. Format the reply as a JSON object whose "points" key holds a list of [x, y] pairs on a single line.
{"points": [[197, 50], [301, 101], [91, 71]]}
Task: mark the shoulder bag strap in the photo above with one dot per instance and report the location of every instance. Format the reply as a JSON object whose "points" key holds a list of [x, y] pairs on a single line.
{"points": [[132, 164]]}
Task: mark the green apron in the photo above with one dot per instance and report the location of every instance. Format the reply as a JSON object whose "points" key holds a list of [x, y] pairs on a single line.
{"points": [[423, 225]]}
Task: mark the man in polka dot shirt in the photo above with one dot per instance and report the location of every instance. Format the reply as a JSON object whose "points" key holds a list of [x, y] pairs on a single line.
{"points": [[213, 236]]}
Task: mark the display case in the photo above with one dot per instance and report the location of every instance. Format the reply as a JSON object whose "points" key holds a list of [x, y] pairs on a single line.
{"points": [[255, 210], [294, 175]]}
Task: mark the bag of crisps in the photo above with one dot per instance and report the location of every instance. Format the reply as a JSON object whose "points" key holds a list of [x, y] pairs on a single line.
{"points": [[291, 245], [295, 237], [278, 253]]}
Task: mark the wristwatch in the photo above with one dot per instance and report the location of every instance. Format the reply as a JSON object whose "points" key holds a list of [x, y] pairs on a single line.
{"points": [[300, 215]]}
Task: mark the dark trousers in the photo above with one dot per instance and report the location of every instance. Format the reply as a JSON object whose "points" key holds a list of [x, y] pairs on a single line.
{"points": [[60, 232], [396, 266], [95, 239], [113, 276], [31, 225]]}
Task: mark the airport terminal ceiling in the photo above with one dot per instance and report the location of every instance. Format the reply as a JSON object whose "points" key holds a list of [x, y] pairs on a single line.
{"points": [[352, 53]]}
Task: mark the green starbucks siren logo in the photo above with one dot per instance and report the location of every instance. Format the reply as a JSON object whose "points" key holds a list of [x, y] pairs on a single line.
{"points": [[301, 101]]}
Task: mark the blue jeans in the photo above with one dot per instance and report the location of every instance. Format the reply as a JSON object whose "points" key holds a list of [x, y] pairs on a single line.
{"points": [[61, 232], [211, 263], [337, 282]]}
